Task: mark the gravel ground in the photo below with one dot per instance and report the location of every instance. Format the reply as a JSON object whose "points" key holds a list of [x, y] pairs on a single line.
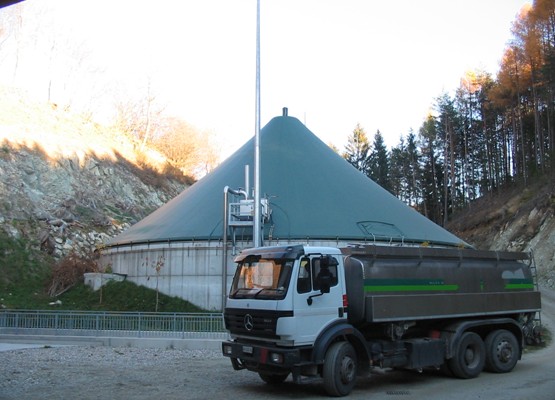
{"points": [[102, 372], [130, 373]]}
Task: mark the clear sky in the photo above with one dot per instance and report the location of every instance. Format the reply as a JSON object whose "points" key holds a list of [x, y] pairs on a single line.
{"points": [[333, 63]]}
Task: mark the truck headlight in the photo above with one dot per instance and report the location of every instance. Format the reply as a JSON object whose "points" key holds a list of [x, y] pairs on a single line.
{"points": [[228, 350]]}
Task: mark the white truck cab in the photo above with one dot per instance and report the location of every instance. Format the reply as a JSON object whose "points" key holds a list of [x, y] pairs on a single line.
{"points": [[303, 285]]}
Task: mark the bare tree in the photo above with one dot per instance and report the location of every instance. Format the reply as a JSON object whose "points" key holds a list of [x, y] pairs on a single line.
{"points": [[139, 115], [186, 147], [158, 268]]}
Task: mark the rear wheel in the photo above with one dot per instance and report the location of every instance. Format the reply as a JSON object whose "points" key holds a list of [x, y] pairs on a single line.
{"points": [[469, 358], [340, 369], [502, 351], [273, 379]]}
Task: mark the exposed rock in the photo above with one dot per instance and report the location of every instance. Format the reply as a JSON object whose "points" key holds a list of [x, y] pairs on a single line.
{"points": [[76, 202], [514, 219]]}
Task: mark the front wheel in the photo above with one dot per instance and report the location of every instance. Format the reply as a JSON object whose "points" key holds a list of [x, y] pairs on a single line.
{"points": [[340, 369], [469, 358], [502, 351]]}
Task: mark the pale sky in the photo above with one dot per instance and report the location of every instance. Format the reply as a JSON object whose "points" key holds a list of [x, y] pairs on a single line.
{"points": [[333, 63]]}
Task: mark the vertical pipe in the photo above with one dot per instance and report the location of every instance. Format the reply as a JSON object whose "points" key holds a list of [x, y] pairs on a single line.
{"points": [[224, 250], [247, 180], [256, 227]]}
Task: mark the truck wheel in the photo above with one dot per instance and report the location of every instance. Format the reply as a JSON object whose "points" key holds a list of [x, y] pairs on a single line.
{"points": [[273, 379], [469, 358], [502, 351], [340, 369]]}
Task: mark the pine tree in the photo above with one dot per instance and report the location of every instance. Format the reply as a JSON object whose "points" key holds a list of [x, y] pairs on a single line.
{"points": [[357, 149], [379, 162], [431, 172], [412, 171], [397, 176]]}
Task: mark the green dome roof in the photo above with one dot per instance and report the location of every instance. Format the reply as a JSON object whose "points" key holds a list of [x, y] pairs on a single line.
{"points": [[313, 192]]}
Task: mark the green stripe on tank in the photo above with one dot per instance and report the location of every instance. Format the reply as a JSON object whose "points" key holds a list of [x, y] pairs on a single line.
{"points": [[407, 285], [519, 284]]}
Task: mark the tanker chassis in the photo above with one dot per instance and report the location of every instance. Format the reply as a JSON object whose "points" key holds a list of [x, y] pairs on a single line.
{"points": [[333, 314]]}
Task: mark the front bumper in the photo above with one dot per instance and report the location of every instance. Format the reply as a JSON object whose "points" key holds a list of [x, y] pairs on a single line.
{"points": [[258, 357]]}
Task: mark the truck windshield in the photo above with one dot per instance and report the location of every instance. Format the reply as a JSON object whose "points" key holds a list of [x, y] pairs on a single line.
{"points": [[261, 278]]}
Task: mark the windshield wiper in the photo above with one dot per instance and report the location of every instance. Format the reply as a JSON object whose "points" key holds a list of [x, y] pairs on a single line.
{"points": [[247, 293], [271, 291]]}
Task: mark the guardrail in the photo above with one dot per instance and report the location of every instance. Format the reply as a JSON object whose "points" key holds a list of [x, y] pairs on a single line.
{"points": [[113, 324]]}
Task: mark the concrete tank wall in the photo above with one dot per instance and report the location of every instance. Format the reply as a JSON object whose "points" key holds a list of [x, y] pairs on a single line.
{"points": [[189, 270]]}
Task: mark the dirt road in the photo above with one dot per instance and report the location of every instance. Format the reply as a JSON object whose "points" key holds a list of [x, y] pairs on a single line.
{"points": [[131, 373]]}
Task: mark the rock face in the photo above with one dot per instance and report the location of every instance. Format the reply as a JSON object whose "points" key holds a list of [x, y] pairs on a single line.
{"points": [[532, 231], [76, 199], [518, 219]]}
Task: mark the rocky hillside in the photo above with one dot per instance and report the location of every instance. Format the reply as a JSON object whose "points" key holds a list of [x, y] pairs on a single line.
{"points": [[519, 218], [67, 184]]}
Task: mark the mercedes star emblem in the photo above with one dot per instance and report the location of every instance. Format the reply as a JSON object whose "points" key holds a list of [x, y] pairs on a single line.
{"points": [[248, 322]]}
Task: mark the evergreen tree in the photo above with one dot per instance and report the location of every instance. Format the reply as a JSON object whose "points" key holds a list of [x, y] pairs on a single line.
{"points": [[397, 176], [412, 171], [448, 143], [431, 205], [379, 162], [357, 149]]}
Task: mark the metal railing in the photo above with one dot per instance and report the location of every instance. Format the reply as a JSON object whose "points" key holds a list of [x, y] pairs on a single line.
{"points": [[113, 324]]}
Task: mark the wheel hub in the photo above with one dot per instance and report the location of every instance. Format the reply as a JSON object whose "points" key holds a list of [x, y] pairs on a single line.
{"points": [[504, 351], [469, 355], [347, 370]]}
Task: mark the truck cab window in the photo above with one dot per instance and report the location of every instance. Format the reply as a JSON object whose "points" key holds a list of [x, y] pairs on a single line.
{"points": [[304, 281], [310, 270], [320, 270]]}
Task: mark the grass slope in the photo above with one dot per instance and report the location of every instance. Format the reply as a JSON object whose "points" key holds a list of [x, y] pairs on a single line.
{"points": [[26, 272]]}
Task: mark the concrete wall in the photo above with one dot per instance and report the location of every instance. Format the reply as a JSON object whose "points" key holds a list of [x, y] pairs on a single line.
{"points": [[189, 270]]}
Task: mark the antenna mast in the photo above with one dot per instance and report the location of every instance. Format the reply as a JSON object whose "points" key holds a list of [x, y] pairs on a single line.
{"points": [[256, 228]]}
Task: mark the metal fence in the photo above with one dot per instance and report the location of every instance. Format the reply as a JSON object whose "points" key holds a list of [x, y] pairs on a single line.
{"points": [[113, 324]]}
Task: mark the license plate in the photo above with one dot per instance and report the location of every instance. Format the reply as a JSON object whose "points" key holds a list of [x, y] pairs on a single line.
{"points": [[247, 349]]}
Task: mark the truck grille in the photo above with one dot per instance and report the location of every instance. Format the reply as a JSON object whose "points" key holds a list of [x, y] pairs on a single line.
{"points": [[261, 323]]}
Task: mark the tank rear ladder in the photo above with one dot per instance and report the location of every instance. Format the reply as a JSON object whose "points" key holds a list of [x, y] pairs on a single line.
{"points": [[535, 336]]}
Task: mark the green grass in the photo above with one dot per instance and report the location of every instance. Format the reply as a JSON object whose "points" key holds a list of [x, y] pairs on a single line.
{"points": [[25, 273], [122, 296]]}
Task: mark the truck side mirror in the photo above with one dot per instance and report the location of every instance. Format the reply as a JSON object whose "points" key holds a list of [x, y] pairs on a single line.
{"points": [[324, 282], [328, 261]]}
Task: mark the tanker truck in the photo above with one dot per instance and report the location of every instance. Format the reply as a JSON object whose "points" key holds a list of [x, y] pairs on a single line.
{"points": [[333, 314]]}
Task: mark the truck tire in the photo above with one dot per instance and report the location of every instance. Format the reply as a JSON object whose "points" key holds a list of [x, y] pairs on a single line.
{"points": [[470, 356], [273, 379], [502, 351], [340, 369]]}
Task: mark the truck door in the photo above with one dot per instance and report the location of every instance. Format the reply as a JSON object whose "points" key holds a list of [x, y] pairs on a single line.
{"points": [[315, 308]]}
